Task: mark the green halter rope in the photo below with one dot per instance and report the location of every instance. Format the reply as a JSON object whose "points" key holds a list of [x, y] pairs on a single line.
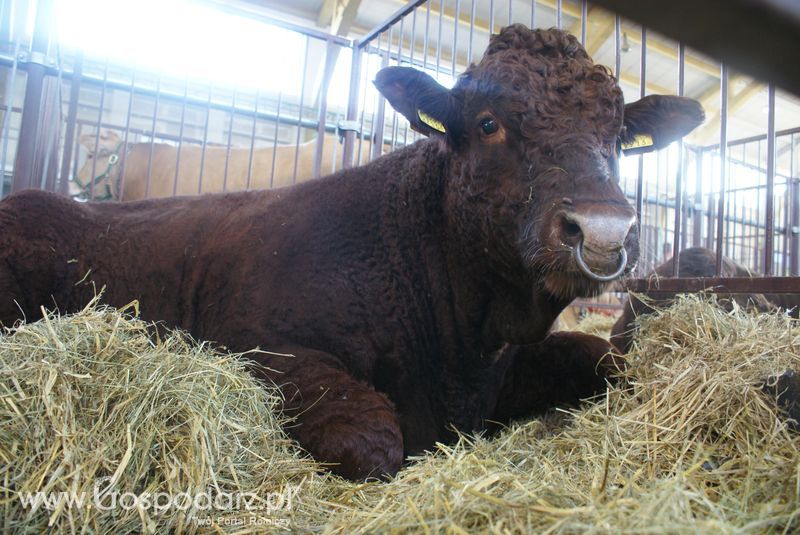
{"points": [[86, 188]]}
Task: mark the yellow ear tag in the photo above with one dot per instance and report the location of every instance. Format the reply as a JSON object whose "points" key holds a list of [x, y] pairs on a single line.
{"points": [[642, 140], [430, 121]]}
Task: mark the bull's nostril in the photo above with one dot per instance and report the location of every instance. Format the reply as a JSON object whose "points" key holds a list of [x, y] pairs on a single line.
{"points": [[572, 229], [571, 232]]}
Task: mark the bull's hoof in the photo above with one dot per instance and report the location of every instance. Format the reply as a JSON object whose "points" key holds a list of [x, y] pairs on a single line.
{"points": [[785, 388]]}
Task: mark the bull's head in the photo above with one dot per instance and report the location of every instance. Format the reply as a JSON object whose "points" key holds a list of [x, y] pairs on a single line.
{"points": [[534, 132], [100, 171]]}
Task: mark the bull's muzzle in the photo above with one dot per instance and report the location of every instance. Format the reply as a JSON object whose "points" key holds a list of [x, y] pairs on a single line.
{"points": [[597, 234]]}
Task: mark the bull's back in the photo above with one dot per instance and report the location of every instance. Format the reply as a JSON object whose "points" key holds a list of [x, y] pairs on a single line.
{"points": [[55, 252]]}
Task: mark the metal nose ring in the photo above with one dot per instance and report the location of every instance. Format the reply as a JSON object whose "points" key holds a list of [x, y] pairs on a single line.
{"points": [[577, 252]]}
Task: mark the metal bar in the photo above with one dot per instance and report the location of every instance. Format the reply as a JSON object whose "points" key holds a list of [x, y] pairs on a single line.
{"points": [[658, 220], [97, 131], [395, 121], [413, 45], [617, 47], [152, 140], [361, 131], [125, 139], [29, 128], [425, 40], [9, 102], [275, 144], [723, 155], [471, 32], [52, 121], [712, 219], [768, 245], [643, 66], [352, 106], [584, 21], [330, 63], [642, 88], [378, 122], [389, 55], [253, 142], [794, 242], [300, 111], [747, 285], [686, 205], [438, 40], [491, 17], [414, 36], [180, 137], [697, 209], [6, 18], [758, 259], [676, 245], [454, 52], [19, 30], [397, 15], [72, 113], [558, 14], [205, 140], [238, 8], [230, 139], [533, 13], [745, 246], [786, 224]]}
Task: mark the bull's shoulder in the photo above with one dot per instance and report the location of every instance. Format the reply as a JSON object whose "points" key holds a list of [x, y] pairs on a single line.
{"points": [[32, 196], [36, 205]]}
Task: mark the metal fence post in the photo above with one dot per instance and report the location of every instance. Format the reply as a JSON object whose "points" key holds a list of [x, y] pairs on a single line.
{"points": [[38, 111], [352, 107]]}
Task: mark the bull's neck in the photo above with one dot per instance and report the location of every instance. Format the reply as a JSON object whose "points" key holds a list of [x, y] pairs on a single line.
{"points": [[471, 305]]}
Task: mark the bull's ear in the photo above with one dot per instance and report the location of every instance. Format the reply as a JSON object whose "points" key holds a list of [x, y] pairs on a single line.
{"points": [[419, 98], [107, 142], [657, 120]]}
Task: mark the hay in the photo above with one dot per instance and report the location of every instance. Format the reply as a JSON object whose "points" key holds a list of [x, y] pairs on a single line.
{"points": [[690, 444], [93, 409], [596, 323]]}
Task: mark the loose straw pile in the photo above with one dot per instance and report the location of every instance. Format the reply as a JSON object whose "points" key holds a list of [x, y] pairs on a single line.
{"points": [[686, 441]]}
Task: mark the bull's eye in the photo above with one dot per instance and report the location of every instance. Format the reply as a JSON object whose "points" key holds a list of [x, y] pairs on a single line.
{"points": [[489, 126]]}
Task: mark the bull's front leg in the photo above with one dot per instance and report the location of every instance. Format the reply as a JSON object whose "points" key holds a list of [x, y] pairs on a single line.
{"points": [[340, 420], [562, 369]]}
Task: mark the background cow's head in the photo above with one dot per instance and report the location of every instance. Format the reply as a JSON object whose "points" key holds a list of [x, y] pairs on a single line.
{"points": [[535, 130], [101, 167]]}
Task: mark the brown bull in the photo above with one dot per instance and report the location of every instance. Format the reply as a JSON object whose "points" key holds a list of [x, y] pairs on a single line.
{"points": [[415, 293]]}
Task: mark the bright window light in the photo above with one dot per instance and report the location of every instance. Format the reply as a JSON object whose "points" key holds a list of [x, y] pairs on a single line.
{"points": [[184, 39]]}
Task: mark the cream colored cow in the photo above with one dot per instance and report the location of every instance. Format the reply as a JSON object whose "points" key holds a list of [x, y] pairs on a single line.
{"points": [[111, 157]]}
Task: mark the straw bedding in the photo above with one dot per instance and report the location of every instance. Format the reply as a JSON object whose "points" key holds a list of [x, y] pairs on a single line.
{"points": [[687, 441]]}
